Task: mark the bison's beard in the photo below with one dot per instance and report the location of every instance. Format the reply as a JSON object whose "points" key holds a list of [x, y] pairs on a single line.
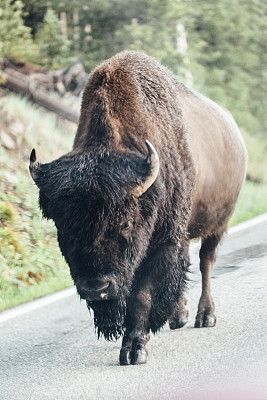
{"points": [[109, 317]]}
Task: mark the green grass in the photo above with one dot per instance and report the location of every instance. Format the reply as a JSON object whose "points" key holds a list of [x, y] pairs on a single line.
{"points": [[43, 131], [31, 264], [257, 151], [252, 202], [253, 197], [30, 261]]}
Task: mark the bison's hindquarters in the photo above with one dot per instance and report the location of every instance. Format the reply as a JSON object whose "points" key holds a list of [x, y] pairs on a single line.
{"points": [[220, 160]]}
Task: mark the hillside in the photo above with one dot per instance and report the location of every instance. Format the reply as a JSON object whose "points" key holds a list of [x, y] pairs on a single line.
{"points": [[30, 262]]}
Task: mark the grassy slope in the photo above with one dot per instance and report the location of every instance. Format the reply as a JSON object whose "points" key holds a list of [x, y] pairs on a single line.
{"points": [[252, 200], [30, 262]]}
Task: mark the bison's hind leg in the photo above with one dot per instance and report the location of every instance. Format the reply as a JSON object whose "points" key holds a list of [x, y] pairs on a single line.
{"points": [[205, 316], [180, 315]]}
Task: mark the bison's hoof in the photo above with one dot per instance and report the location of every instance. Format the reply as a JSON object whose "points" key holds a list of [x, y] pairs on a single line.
{"points": [[139, 356], [125, 358], [134, 357], [178, 323], [204, 320], [180, 317]]}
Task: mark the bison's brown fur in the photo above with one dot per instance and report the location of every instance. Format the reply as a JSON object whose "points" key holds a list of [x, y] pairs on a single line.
{"points": [[134, 98], [129, 99]]}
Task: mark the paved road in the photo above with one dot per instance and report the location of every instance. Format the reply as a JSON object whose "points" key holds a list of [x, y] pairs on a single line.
{"points": [[52, 352]]}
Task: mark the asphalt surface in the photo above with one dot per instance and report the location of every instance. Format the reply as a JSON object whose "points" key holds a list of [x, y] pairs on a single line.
{"points": [[53, 353]]}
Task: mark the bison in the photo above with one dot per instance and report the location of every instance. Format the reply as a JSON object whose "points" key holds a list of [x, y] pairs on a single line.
{"points": [[153, 165]]}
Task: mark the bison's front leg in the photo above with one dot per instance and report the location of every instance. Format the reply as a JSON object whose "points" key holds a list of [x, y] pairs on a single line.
{"points": [[136, 336], [153, 300]]}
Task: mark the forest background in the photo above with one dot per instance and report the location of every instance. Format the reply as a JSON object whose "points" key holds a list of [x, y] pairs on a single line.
{"points": [[218, 47]]}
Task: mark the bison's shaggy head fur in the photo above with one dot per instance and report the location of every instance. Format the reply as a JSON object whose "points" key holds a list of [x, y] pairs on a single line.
{"points": [[103, 229]]}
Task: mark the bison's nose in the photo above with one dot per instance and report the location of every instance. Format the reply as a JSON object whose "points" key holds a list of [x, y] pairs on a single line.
{"points": [[98, 289]]}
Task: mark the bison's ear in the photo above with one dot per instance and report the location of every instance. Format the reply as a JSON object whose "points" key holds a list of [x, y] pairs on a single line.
{"points": [[152, 161]]}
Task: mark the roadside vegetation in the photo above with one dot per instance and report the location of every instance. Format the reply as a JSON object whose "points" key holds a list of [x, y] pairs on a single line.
{"points": [[218, 48], [252, 200], [31, 264]]}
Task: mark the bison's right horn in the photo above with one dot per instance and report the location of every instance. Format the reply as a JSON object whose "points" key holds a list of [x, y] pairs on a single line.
{"points": [[34, 165], [153, 160]]}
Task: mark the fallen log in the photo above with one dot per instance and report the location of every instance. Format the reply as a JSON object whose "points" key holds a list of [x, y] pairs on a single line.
{"points": [[69, 80], [30, 86], [26, 68]]}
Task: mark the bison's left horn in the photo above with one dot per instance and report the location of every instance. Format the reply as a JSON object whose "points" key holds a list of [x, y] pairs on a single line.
{"points": [[153, 161], [34, 165]]}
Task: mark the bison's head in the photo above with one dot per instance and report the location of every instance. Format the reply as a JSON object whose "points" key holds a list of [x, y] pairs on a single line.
{"points": [[104, 214]]}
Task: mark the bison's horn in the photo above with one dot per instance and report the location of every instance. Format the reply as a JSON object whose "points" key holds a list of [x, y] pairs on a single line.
{"points": [[153, 160], [34, 165]]}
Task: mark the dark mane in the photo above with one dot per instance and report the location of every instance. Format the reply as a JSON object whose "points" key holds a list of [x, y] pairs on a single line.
{"points": [[100, 175]]}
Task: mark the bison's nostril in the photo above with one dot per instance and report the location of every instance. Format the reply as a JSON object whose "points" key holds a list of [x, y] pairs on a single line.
{"points": [[93, 289], [101, 286]]}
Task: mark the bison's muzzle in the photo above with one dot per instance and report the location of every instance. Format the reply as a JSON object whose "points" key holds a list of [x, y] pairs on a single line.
{"points": [[94, 290]]}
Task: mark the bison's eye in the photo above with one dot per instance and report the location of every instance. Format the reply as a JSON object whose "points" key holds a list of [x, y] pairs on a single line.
{"points": [[125, 229]]}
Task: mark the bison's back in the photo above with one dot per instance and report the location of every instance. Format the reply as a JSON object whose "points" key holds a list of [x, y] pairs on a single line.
{"points": [[220, 161], [130, 98]]}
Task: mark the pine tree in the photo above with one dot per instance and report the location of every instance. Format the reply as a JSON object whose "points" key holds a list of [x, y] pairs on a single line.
{"points": [[15, 38], [227, 49], [54, 49]]}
